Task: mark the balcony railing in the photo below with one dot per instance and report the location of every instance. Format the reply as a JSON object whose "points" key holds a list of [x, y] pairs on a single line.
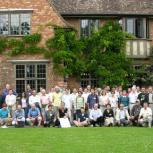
{"points": [[138, 48]]}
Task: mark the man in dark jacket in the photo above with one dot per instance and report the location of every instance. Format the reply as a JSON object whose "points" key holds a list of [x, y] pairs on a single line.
{"points": [[135, 113], [108, 116]]}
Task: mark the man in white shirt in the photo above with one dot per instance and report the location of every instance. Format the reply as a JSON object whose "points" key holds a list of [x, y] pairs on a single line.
{"points": [[11, 102], [66, 98], [85, 95], [96, 116], [34, 99], [150, 98], [145, 116], [122, 116], [133, 95]]}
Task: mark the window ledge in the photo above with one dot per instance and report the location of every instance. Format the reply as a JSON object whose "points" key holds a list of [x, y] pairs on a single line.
{"points": [[29, 61]]}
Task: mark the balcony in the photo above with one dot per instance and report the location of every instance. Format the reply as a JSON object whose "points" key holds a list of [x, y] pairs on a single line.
{"points": [[138, 48]]}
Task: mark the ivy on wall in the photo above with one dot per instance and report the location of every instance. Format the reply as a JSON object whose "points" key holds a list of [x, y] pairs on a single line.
{"points": [[101, 54], [27, 44]]}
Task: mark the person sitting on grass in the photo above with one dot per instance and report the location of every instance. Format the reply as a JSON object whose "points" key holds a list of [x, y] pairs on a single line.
{"points": [[145, 116], [34, 116], [50, 116], [96, 116], [135, 113], [19, 117], [122, 116], [5, 118], [108, 116], [62, 113], [82, 119]]}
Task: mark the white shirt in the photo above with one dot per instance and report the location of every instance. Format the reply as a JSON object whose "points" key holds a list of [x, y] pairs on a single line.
{"points": [[103, 100], [10, 100], [85, 96], [50, 95], [145, 113], [113, 101], [34, 99], [73, 97], [94, 114], [133, 97], [66, 98]]}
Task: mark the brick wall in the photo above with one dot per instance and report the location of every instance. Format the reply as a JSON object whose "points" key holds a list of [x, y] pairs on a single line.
{"points": [[43, 14]]}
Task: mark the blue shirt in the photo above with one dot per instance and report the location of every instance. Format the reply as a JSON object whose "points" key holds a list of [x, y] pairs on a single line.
{"points": [[19, 114], [34, 112], [4, 113], [92, 99]]}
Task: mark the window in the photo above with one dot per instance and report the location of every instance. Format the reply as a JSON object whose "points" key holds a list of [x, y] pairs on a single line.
{"points": [[15, 24], [88, 79], [137, 27], [33, 74], [88, 26]]}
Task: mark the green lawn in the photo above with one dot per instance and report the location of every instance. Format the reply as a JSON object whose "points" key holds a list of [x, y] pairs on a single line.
{"points": [[76, 140]]}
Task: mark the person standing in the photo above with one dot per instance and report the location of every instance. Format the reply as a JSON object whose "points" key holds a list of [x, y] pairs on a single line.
{"points": [[133, 95], [149, 98], [11, 102], [66, 98], [103, 101], [92, 99], [124, 99], [78, 104], [57, 98], [142, 96]]}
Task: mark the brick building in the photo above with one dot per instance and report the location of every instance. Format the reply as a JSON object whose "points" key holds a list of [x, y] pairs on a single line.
{"points": [[28, 69], [135, 16]]}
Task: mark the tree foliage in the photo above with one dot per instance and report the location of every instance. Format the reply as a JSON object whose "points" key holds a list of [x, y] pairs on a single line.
{"points": [[101, 54]]}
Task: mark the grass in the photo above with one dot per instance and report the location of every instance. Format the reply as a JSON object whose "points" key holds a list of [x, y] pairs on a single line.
{"points": [[76, 140]]}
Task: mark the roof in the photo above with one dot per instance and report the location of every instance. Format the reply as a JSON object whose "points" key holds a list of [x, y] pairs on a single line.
{"points": [[104, 7]]}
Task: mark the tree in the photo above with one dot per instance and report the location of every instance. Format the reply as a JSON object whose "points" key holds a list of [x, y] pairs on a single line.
{"points": [[101, 54]]}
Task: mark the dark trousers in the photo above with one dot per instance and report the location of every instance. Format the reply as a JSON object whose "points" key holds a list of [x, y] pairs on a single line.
{"points": [[99, 121]]}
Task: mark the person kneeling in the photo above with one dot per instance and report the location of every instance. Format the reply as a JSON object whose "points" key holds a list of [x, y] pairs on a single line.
{"points": [[34, 116], [122, 116], [19, 117], [96, 116], [108, 116], [82, 118], [5, 118], [50, 116], [145, 116]]}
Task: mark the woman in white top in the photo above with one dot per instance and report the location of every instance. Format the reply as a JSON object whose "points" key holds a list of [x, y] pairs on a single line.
{"points": [[103, 100]]}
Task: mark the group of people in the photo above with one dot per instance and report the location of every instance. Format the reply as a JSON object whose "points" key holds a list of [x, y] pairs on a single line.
{"points": [[82, 107]]}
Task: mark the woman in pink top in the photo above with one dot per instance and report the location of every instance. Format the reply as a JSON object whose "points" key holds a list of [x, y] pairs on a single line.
{"points": [[44, 99]]}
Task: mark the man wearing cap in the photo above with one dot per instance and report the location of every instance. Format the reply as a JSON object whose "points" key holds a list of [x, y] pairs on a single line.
{"points": [[5, 118]]}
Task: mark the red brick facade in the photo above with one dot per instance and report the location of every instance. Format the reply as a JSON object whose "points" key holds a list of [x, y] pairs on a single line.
{"points": [[43, 14]]}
